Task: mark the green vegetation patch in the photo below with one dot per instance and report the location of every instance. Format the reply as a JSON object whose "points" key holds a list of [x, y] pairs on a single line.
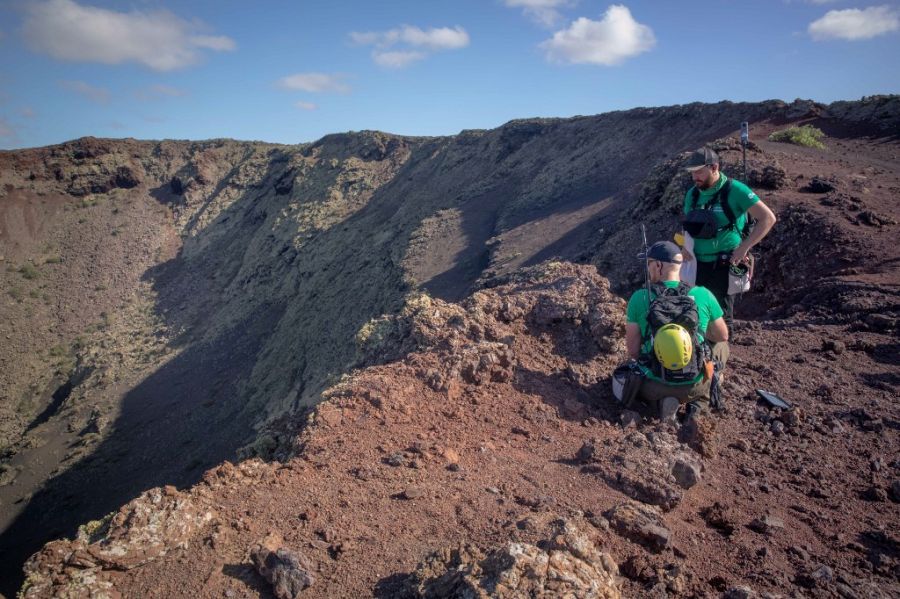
{"points": [[805, 135], [94, 530], [29, 271]]}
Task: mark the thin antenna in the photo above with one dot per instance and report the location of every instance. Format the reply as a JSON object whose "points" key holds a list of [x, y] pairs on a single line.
{"points": [[646, 266], [745, 139]]}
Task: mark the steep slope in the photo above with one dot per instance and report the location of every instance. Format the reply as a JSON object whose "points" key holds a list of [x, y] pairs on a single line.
{"points": [[448, 473], [272, 263]]}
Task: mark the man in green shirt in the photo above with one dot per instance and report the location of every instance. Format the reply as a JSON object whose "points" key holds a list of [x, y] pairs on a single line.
{"points": [[728, 202], [664, 261]]}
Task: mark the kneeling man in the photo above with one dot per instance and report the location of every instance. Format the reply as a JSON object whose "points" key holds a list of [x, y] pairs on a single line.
{"points": [[676, 337]]}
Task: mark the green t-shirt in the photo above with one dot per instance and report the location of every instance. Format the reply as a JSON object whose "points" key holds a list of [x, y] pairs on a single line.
{"points": [[708, 310], [740, 198]]}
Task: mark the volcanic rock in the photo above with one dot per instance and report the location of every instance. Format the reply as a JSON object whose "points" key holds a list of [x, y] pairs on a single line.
{"points": [[640, 523], [767, 524], [819, 185], [686, 473], [771, 176], [568, 565], [289, 572]]}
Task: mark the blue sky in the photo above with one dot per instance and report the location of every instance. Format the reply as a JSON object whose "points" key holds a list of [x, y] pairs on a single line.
{"points": [[293, 71]]}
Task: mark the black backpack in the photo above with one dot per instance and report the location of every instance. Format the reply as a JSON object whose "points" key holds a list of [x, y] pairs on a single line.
{"points": [[674, 305], [701, 223]]}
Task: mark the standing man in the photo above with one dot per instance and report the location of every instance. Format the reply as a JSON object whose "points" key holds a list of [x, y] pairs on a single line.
{"points": [[716, 212]]}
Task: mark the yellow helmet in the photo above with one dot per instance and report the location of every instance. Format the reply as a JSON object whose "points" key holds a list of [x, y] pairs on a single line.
{"points": [[672, 346]]}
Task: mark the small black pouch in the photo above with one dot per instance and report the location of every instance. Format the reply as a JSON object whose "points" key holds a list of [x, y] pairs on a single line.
{"points": [[701, 224]]}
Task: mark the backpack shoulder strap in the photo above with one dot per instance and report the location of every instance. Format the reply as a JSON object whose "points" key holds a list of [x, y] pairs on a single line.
{"points": [[683, 288], [695, 197], [656, 290], [722, 197]]}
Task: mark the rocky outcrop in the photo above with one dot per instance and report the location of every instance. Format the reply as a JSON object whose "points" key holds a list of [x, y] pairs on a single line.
{"points": [[159, 521], [568, 564]]}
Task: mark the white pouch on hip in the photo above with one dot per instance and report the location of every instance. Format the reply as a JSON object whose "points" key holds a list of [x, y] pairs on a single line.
{"points": [[739, 279]]}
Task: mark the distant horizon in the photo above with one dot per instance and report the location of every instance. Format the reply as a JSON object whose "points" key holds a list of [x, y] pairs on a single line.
{"points": [[295, 72], [460, 131]]}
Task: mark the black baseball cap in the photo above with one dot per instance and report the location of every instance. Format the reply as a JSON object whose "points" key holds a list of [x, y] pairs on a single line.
{"points": [[700, 158], [663, 251]]}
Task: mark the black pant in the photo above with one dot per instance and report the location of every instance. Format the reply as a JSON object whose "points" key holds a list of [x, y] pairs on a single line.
{"points": [[714, 276]]}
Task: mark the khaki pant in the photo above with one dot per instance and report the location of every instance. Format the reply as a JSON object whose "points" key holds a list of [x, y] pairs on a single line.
{"points": [[651, 392]]}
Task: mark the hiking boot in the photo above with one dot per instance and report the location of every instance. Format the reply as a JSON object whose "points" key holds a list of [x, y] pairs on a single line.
{"points": [[668, 407]]}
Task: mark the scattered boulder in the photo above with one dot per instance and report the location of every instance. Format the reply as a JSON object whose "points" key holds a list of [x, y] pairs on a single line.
{"points": [[895, 491], [720, 517], [740, 592], [873, 219], [630, 418], [686, 473], [586, 452], [819, 185], [640, 523], [832, 345], [770, 176], [820, 576], [289, 572], [767, 524]]}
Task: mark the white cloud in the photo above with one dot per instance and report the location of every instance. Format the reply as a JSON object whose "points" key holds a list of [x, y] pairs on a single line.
{"points": [[159, 40], [855, 24], [314, 83], [94, 94], [607, 42], [436, 38], [414, 43], [306, 105], [543, 11], [396, 59], [219, 43]]}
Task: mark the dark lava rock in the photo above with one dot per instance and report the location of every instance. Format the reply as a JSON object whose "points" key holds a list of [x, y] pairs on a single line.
{"points": [[819, 185], [875, 493], [686, 474], [629, 418], [777, 428], [838, 347], [770, 177], [895, 491], [873, 219], [767, 524], [819, 577], [587, 451], [288, 572], [740, 592], [720, 517]]}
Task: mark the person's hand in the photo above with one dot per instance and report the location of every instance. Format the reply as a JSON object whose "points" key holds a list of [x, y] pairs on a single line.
{"points": [[739, 255]]}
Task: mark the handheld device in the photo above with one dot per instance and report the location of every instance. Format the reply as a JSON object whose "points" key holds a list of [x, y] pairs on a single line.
{"points": [[773, 400]]}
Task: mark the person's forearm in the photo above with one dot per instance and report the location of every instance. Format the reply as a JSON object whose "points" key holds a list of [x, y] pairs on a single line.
{"points": [[633, 348], [762, 228]]}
